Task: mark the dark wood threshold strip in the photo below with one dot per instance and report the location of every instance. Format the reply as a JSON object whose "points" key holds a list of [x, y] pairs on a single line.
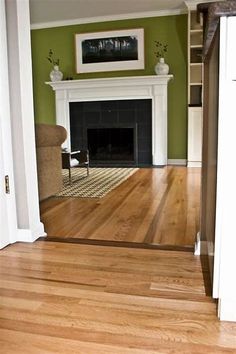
{"points": [[85, 241]]}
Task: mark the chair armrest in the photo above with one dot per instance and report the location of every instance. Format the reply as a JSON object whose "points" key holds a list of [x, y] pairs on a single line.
{"points": [[82, 156], [75, 152]]}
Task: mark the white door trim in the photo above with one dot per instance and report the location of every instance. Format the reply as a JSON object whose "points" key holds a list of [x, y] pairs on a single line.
{"points": [[20, 208], [224, 284], [7, 201]]}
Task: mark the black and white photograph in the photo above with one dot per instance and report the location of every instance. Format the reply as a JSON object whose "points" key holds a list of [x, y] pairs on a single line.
{"points": [[108, 51]]}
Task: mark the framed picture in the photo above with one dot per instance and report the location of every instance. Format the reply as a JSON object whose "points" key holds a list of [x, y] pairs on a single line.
{"points": [[110, 51]]}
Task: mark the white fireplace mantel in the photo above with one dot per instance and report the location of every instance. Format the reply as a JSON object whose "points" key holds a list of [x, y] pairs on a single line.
{"points": [[118, 88]]}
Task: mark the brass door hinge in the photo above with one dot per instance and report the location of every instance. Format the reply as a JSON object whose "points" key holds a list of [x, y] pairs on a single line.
{"points": [[7, 185]]}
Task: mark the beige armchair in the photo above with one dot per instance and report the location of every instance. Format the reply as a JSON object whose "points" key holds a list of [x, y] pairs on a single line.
{"points": [[48, 150]]}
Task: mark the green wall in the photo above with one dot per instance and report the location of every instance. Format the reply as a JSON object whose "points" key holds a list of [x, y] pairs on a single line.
{"points": [[170, 29]]}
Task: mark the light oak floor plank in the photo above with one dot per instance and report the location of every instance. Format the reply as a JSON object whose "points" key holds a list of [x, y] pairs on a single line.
{"points": [[71, 298]]}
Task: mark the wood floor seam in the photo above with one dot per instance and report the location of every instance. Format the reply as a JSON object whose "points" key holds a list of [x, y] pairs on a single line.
{"points": [[105, 243]]}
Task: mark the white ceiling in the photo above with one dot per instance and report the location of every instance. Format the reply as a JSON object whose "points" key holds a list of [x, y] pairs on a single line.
{"points": [[47, 13], [44, 11]]}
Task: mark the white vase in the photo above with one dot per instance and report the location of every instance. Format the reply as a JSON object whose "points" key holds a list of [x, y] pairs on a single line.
{"points": [[56, 74], [161, 68]]}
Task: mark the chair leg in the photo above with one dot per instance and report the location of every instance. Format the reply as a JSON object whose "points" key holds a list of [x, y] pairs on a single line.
{"points": [[70, 175], [87, 163], [87, 169]]}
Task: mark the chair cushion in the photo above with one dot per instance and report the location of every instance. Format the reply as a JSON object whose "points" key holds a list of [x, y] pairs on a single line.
{"points": [[74, 162]]}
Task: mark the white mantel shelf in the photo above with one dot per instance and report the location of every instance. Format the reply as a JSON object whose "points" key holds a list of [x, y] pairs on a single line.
{"points": [[111, 82], [119, 88]]}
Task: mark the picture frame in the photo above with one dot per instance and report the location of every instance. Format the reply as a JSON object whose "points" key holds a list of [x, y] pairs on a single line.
{"points": [[109, 51]]}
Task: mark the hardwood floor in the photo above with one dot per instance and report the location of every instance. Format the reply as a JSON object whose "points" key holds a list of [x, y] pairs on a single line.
{"points": [[154, 206], [70, 298]]}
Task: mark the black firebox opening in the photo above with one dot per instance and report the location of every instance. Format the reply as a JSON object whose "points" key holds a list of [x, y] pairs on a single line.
{"points": [[113, 145]]}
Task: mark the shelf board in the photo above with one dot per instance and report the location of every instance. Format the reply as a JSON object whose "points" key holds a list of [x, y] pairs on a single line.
{"points": [[200, 30], [195, 83], [196, 64], [192, 105], [196, 46]]}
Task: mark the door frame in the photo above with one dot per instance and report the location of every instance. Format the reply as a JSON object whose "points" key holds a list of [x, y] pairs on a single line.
{"points": [[7, 201], [20, 208]]}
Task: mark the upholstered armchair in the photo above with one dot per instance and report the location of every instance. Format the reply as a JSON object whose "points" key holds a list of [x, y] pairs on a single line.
{"points": [[48, 150]]}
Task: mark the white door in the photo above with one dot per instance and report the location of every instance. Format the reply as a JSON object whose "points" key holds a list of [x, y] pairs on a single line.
{"points": [[8, 223], [224, 282]]}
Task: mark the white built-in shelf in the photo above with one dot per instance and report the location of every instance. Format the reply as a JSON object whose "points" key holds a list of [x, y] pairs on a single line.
{"points": [[195, 71]]}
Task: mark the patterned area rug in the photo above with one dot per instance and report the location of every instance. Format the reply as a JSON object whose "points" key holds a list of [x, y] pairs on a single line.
{"points": [[99, 182]]}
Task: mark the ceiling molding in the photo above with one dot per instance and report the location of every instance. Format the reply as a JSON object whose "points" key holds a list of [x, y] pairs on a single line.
{"points": [[80, 21], [192, 4]]}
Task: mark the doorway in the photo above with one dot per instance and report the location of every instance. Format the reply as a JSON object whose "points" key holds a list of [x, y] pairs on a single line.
{"points": [[155, 207]]}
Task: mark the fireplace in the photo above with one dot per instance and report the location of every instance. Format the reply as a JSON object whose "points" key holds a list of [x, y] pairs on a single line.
{"points": [[152, 87], [115, 131]]}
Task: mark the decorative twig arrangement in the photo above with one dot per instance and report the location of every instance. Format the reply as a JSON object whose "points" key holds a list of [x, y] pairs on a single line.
{"points": [[51, 58], [161, 49]]}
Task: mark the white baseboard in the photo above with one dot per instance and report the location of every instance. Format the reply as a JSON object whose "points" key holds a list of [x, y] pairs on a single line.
{"points": [[177, 162], [227, 309], [28, 235], [194, 164], [200, 247]]}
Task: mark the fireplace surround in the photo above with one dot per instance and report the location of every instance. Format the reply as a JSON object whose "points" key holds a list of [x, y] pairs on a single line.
{"points": [[118, 88], [116, 132]]}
